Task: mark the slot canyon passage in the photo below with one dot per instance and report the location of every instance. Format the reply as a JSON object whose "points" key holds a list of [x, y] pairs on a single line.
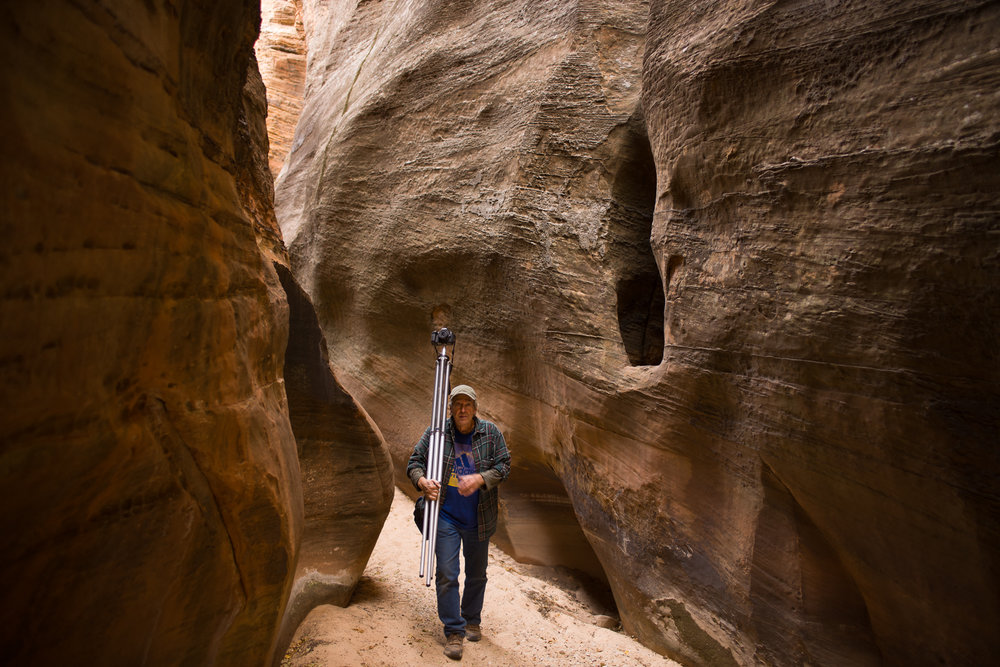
{"points": [[725, 275]]}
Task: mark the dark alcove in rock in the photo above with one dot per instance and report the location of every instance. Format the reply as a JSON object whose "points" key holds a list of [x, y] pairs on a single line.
{"points": [[638, 285]]}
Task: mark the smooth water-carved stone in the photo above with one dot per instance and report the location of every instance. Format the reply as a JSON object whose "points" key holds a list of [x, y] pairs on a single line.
{"points": [[152, 505], [347, 476], [803, 439]]}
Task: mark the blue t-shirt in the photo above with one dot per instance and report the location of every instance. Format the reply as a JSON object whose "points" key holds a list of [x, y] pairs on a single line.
{"points": [[458, 510]]}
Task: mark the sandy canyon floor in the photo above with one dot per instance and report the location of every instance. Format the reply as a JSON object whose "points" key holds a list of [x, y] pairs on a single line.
{"points": [[533, 616]]}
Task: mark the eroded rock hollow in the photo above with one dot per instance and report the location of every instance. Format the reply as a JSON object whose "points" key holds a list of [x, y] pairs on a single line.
{"points": [[724, 273]]}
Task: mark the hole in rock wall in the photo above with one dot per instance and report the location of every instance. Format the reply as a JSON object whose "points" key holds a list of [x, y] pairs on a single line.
{"points": [[639, 287], [640, 318]]}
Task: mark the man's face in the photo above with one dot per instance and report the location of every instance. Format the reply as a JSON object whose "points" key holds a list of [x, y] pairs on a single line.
{"points": [[463, 410]]}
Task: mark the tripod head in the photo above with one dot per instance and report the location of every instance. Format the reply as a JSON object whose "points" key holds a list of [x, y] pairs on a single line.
{"points": [[443, 336]]}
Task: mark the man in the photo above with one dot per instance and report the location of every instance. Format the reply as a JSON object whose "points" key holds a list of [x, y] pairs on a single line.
{"points": [[476, 460]]}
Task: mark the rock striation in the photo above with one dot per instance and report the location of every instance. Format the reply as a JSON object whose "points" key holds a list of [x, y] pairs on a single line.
{"points": [[163, 492], [827, 179], [724, 275], [281, 52], [152, 505], [347, 475]]}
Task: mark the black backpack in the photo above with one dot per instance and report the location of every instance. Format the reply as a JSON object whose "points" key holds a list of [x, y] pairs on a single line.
{"points": [[418, 513]]}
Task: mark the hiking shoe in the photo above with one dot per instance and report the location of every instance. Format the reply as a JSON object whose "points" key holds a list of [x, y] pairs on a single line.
{"points": [[453, 649], [473, 633]]}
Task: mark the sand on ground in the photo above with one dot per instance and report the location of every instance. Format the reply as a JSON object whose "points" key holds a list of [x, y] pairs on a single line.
{"points": [[532, 616]]}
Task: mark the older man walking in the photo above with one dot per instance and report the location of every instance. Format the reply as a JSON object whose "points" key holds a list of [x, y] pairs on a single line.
{"points": [[476, 460]]}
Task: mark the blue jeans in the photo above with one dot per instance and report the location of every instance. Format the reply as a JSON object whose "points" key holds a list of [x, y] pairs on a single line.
{"points": [[456, 612]]}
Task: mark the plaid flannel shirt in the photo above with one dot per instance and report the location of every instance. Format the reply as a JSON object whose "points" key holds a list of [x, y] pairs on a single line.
{"points": [[492, 459]]}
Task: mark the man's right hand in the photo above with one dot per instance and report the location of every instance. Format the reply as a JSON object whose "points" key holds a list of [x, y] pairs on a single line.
{"points": [[429, 487]]}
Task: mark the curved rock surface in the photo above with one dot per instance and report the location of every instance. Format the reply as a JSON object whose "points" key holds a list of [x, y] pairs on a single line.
{"points": [[827, 187], [347, 476], [724, 275], [281, 52], [153, 504]]}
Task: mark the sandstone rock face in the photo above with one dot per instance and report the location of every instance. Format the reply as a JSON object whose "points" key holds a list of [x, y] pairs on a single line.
{"points": [[281, 52], [724, 274], [827, 186], [346, 471], [153, 497], [347, 480], [152, 507], [380, 284]]}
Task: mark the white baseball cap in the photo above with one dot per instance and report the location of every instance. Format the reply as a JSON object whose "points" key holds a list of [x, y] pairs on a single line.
{"points": [[465, 390]]}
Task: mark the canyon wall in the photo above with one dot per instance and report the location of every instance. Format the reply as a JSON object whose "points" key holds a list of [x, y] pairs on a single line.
{"points": [[723, 273], [152, 505], [347, 479], [154, 508], [281, 53], [828, 178]]}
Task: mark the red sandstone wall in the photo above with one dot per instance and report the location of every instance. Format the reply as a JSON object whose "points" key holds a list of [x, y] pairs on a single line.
{"points": [[152, 508]]}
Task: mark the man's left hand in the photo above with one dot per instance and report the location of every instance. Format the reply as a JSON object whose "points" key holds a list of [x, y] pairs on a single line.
{"points": [[469, 484]]}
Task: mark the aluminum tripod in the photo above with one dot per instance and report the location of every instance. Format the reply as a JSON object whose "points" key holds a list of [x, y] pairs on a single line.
{"points": [[442, 338]]}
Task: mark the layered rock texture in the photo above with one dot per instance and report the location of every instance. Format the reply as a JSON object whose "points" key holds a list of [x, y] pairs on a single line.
{"points": [[153, 503], [281, 53], [725, 274], [346, 471]]}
